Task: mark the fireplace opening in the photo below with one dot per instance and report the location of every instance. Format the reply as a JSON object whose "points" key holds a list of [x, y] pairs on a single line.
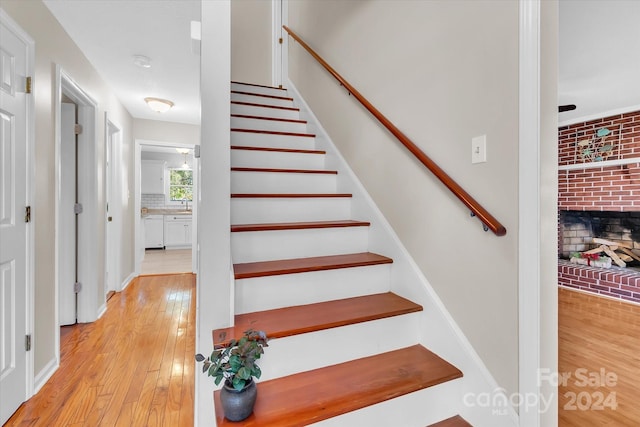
{"points": [[584, 231]]}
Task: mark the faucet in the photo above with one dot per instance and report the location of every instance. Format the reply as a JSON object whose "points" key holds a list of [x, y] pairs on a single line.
{"points": [[187, 204]]}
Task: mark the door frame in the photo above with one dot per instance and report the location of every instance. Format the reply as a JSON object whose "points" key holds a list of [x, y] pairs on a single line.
{"points": [[89, 267], [139, 239], [29, 308]]}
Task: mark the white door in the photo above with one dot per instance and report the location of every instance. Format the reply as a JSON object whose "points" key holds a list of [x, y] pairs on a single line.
{"points": [[110, 240], [13, 226], [68, 218]]}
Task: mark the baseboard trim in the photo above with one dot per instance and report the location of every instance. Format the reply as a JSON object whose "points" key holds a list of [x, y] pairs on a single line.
{"points": [[45, 374], [127, 281]]}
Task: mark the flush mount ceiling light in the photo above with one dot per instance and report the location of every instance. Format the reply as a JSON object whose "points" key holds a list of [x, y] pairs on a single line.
{"points": [[183, 150], [159, 105], [142, 61]]}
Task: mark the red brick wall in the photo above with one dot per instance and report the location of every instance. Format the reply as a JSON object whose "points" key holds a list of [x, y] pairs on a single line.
{"points": [[610, 188]]}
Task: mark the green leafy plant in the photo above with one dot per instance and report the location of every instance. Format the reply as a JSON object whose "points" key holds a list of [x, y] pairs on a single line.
{"points": [[236, 362]]}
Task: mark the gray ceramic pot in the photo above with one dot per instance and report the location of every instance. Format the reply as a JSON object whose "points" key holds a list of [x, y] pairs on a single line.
{"points": [[238, 405]]}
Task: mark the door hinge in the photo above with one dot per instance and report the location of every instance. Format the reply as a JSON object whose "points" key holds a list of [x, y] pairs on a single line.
{"points": [[280, 40], [27, 214], [27, 87], [77, 287], [27, 342], [77, 208], [77, 128]]}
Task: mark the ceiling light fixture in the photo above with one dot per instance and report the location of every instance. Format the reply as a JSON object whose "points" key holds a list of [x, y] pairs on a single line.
{"points": [[185, 165], [159, 105], [142, 61]]}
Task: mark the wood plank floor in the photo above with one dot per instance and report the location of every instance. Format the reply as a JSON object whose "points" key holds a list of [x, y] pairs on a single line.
{"points": [[168, 261], [601, 337], [132, 367]]}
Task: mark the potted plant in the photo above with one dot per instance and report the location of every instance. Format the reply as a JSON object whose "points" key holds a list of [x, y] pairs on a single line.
{"points": [[236, 364]]}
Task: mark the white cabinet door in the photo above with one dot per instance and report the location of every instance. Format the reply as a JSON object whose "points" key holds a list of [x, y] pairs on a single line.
{"points": [[154, 232], [152, 176], [177, 231]]}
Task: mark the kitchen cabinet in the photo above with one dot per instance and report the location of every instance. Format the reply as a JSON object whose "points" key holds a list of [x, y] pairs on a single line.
{"points": [[154, 231], [152, 177], [177, 231]]}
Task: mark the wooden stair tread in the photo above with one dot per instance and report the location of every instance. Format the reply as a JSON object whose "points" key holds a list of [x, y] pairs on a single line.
{"points": [[300, 319], [272, 119], [456, 421], [279, 150], [316, 395], [298, 225], [256, 85], [288, 195], [253, 104], [284, 98], [274, 132], [302, 265], [312, 171]]}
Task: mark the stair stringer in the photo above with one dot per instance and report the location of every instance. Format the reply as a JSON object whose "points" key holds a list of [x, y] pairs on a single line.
{"points": [[439, 331]]}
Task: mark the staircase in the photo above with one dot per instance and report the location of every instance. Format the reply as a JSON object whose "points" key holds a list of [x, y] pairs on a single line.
{"points": [[345, 349]]}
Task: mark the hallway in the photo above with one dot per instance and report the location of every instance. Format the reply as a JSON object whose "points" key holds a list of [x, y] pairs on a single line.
{"points": [[133, 367]]}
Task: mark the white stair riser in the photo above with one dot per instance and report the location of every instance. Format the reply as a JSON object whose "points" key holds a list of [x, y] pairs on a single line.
{"points": [[252, 246], [258, 89], [418, 409], [259, 210], [276, 159], [266, 293], [336, 345], [282, 182], [273, 125], [251, 110], [250, 139], [264, 100]]}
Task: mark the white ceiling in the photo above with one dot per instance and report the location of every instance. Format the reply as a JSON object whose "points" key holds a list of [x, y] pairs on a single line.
{"points": [[599, 57], [111, 32], [599, 67]]}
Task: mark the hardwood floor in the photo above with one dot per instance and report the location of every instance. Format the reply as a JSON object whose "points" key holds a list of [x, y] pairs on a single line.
{"points": [[132, 367], [168, 261], [599, 347]]}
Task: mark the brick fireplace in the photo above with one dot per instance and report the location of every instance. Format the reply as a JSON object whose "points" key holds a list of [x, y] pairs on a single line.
{"points": [[599, 196]]}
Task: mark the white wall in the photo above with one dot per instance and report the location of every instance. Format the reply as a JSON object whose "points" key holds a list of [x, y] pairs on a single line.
{"points": [[251, 41], [154, 130], [443, 72], [174, 160], [214, 299], [53, 46]]}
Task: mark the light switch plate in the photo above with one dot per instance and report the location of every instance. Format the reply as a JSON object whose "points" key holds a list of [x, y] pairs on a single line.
{"points": [[479, 149]]}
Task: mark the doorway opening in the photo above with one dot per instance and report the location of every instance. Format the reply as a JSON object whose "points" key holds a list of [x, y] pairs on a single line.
{"points": [[79, 269], [166, 185]]}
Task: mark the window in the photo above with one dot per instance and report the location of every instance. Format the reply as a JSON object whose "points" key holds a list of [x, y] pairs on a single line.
{"points": [[180, 185]]}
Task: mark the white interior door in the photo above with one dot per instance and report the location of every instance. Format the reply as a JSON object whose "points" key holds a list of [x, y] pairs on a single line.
{"points": [[68, 218], [112, 262], [13, 226]]}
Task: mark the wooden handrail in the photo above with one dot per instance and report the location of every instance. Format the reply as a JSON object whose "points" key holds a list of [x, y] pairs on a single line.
{"points": [[488, 220]]}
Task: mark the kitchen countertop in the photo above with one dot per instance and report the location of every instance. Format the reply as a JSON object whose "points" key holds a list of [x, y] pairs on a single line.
{"points": [[150, 211]]}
